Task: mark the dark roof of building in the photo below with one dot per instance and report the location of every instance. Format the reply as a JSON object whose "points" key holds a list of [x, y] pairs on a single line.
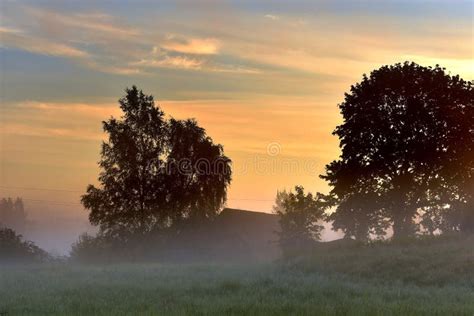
{"points": [[234, 235], [246, 212]]}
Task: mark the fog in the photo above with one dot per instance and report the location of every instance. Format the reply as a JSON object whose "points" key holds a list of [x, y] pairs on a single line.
{"points": [[56, 234], [55, 228]]}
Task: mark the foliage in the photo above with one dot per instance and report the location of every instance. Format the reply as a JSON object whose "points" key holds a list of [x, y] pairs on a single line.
{"points": [[407, 148], [155, 173], [281, 197], [299, 215], [91, 249], [13, 248], [198, 173]]}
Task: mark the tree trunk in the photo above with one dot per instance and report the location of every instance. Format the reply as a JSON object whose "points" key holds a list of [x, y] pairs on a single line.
{"points": [[403, 223], [397, 226]]}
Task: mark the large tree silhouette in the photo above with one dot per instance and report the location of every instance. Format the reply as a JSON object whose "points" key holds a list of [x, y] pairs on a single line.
{"points": [[407, 143], [155, 173]]}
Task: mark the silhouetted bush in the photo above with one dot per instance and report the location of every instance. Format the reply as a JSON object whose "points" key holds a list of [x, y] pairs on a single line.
{"points": [[104, 248], [95, 249], [14, 249], [299, 215]]}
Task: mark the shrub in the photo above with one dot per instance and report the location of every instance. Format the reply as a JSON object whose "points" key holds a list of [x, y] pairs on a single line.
{"points": [[13, 248]]}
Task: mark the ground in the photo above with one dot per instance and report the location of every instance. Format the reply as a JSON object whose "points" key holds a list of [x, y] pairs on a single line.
{"points": [[334, 282]]}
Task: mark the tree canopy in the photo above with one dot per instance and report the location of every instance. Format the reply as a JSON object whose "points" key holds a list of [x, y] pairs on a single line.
{"points": [[300, 214], [12, 214], [155, 172], [13, 248], [407, 143]]}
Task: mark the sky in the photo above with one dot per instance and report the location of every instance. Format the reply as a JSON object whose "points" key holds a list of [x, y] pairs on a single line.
{"points": [[262, 77]]}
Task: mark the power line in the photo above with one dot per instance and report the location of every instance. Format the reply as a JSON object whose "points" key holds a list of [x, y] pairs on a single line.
{"points": [[38, 189], [79, 204], [256, 200], [77, 191], [59, 203]]}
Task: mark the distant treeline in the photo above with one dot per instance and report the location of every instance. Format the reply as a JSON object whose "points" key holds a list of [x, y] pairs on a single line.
{"points": [[13, 214], [14, 249]]}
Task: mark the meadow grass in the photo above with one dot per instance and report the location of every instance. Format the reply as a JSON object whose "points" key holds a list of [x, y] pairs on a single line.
{"points": [[425, 261], [302, 287], [146, 289]]}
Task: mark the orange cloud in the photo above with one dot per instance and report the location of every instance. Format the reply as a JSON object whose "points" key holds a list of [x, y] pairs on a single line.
{"points": [[66, 133], [200, 46], [88, 110], [171, 62]]}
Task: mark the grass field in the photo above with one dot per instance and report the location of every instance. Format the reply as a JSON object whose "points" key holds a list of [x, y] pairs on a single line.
{"points": [[304, 287]]}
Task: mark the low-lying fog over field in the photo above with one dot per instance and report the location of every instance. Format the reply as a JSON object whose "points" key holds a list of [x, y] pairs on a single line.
{"points": [[234, 157]]}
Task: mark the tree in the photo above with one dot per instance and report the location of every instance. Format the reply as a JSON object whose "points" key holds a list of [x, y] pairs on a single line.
{"points": [[152, 171], [14, 248], [197, 173], [407, 145], [359, 218], [12, 214], [299, 216], [281, 198], [99, 249]]}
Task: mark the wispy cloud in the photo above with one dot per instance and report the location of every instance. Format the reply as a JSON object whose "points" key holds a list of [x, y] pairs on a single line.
{"points": [[65, 120], [181, 62], [234, 69], [17, 39], [201, 46], [20, 129], [117, 70], [102, 110], [102, 42], [223, 42], [55, 21], [20, 40], [271, 16]]}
